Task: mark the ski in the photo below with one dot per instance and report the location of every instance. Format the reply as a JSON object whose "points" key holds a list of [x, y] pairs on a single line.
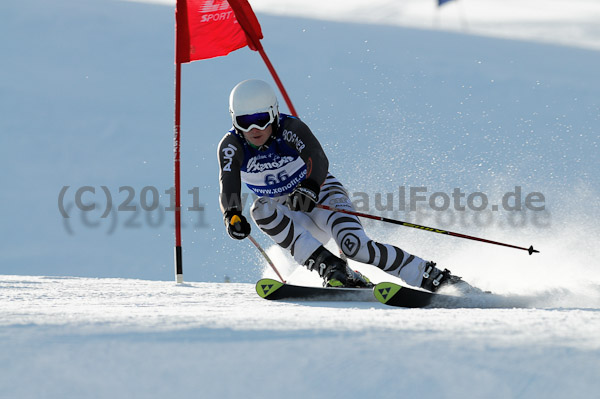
{"points": [[275, 290], [400, 296], [397, 295]]}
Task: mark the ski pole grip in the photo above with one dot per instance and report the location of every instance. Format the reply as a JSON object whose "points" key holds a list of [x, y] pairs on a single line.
{"points": [[234, 222], [235, 219]]}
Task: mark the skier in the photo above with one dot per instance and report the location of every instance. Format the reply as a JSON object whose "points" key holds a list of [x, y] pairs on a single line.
{"points": [[281, 161]]}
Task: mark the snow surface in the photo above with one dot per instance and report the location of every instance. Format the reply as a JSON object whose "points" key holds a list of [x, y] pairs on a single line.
{"points": [[83, 337], [88, 308], [567, 22]]}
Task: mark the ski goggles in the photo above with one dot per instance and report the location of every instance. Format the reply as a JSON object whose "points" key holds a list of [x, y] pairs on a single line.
{"points": [[260, 121]]}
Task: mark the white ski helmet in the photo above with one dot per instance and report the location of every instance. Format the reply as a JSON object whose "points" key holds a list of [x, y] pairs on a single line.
{"points": [[253, 104]]}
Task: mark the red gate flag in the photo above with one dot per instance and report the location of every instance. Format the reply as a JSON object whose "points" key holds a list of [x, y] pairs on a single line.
{"points": [[209, 28], [249, 23]]}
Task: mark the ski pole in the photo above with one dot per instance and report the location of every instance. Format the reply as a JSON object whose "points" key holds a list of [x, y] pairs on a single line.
{"points": [[262, 251], [426, 228], [236, 219]]}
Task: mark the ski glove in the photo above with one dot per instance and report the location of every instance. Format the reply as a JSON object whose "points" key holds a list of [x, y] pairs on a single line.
{"points": [[238, 227], [304, 197]]}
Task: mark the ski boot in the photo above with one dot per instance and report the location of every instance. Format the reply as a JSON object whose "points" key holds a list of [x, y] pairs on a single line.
{"points": [[434, 279], [355, 278], [329, 266]]}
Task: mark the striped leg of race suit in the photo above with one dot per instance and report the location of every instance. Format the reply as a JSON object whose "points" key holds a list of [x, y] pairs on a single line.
{"points": [[293, 231], [302, 233], [351, 238]]}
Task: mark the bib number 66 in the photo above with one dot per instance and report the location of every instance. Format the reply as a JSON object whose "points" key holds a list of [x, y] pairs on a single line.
{"points": [[272, 180]]}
